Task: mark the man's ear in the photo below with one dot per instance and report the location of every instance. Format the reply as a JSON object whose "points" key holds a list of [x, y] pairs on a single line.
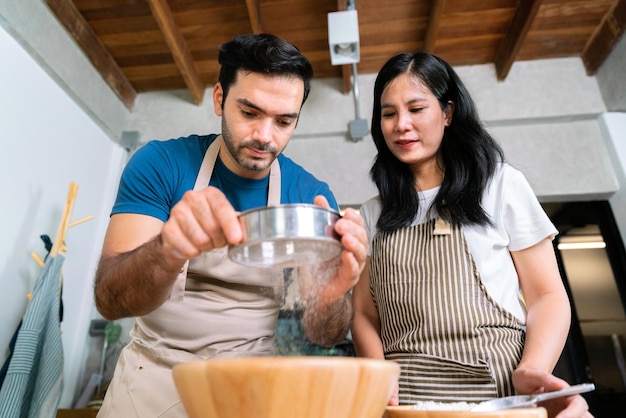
{"points": [[449, 112], [218, 99]]}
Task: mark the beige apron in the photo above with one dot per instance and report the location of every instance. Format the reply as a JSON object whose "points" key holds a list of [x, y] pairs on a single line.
{"points": [[451, 339], [217, 308]]}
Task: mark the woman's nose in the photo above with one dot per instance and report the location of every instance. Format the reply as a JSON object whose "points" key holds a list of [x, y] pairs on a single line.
{"points": [[403, 122]]}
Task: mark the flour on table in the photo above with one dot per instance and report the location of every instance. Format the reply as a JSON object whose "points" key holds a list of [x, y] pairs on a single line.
{"points": [[443, 406]]}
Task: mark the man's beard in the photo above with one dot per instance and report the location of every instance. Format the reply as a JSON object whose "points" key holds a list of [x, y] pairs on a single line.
{"points": [[247, 163]]}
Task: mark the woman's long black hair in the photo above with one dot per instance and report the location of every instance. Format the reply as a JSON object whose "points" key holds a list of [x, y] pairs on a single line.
{"points": [[469, 153]]}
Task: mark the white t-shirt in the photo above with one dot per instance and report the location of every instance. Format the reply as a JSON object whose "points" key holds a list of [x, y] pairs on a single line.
{"points": [[519, 222]]}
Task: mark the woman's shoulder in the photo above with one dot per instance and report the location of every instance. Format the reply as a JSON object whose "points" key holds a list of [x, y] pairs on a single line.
{"points": [[370, 209], [505, 169], [505, 175], [373, 203]]}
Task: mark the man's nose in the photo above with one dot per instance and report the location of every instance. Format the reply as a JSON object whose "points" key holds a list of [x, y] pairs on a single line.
{"points": [[263, 130]]}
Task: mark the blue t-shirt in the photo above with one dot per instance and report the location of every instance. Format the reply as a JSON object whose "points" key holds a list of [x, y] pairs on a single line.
{"points": [[160, 172]]}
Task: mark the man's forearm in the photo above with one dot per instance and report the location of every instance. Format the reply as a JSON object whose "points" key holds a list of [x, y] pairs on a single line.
{"points": [[328, 325], [133, 283]]}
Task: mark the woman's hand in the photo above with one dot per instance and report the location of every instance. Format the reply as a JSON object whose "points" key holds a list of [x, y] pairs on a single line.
{"points": [[394, 399], [529, 381]]}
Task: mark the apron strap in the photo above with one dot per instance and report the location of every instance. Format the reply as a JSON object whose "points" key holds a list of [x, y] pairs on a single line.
{"points": [[202, 180], [208, 163], [273, 193]]}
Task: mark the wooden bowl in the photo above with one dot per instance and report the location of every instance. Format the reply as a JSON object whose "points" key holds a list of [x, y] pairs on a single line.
{"points": [[407, 411], [279, 387]]}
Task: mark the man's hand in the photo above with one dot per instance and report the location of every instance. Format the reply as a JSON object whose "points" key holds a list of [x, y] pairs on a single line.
{"points": [[328, 307], [200, 222], [351, 229]]}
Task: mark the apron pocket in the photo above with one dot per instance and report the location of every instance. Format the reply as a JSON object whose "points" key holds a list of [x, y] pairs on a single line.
{"points": [[425, 377], [151, 385], [153, 393]]}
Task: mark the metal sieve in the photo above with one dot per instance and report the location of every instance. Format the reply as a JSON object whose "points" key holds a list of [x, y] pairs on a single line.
{"points": [[287, 235]]}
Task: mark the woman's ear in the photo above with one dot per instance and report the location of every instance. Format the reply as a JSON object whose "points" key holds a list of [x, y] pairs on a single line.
{"points": [[449, 112]]}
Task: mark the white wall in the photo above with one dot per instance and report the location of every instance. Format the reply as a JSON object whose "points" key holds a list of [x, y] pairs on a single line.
{"points": [[43, 37], [612, 78], [47, 142], [612, 81], [614, 125]]}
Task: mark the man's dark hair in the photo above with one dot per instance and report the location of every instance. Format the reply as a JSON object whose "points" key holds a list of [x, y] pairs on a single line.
{"points": [[262, 53]]}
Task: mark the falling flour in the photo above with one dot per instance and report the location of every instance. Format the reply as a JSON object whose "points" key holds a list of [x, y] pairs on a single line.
{"points": [[309, 273]]}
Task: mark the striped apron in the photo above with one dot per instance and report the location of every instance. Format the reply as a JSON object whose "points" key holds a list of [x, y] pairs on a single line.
{"points": [[452, 340], [216, 309]]}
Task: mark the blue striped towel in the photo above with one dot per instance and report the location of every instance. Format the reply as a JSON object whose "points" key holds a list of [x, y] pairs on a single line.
{"points": [[34, 381]]}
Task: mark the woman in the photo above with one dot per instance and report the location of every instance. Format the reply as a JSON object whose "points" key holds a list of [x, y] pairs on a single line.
{"points": [[462, 287]]}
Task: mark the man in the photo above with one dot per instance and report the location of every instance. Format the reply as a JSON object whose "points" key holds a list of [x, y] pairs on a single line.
{"points": [[164, 257]]}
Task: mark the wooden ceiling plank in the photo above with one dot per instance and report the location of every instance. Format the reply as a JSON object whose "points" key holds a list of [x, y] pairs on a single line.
{"points": [[436, 12], [92, 47], [469, 32], [254, 12], [182, 56], [605, 36], [525, 14]]}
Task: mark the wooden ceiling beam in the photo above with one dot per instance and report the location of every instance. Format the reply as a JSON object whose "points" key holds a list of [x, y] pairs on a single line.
{"points": [[436, 11], [605, 36], [525, 13], [254, 12], [92, 47], [178, 47]]}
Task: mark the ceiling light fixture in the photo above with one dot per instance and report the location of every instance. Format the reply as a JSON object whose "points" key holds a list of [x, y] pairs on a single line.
{"points": [[581, 242], [581, 245], [343, 37]]}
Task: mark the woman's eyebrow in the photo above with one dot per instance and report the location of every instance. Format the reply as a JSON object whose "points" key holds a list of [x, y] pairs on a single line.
{"points": [[410, 102]]}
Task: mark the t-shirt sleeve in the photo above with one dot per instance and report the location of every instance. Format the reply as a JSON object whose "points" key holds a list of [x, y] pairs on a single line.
{"points": [[525, 221], [370, 211], [300, 186], [328, 194], [143, 189]]}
